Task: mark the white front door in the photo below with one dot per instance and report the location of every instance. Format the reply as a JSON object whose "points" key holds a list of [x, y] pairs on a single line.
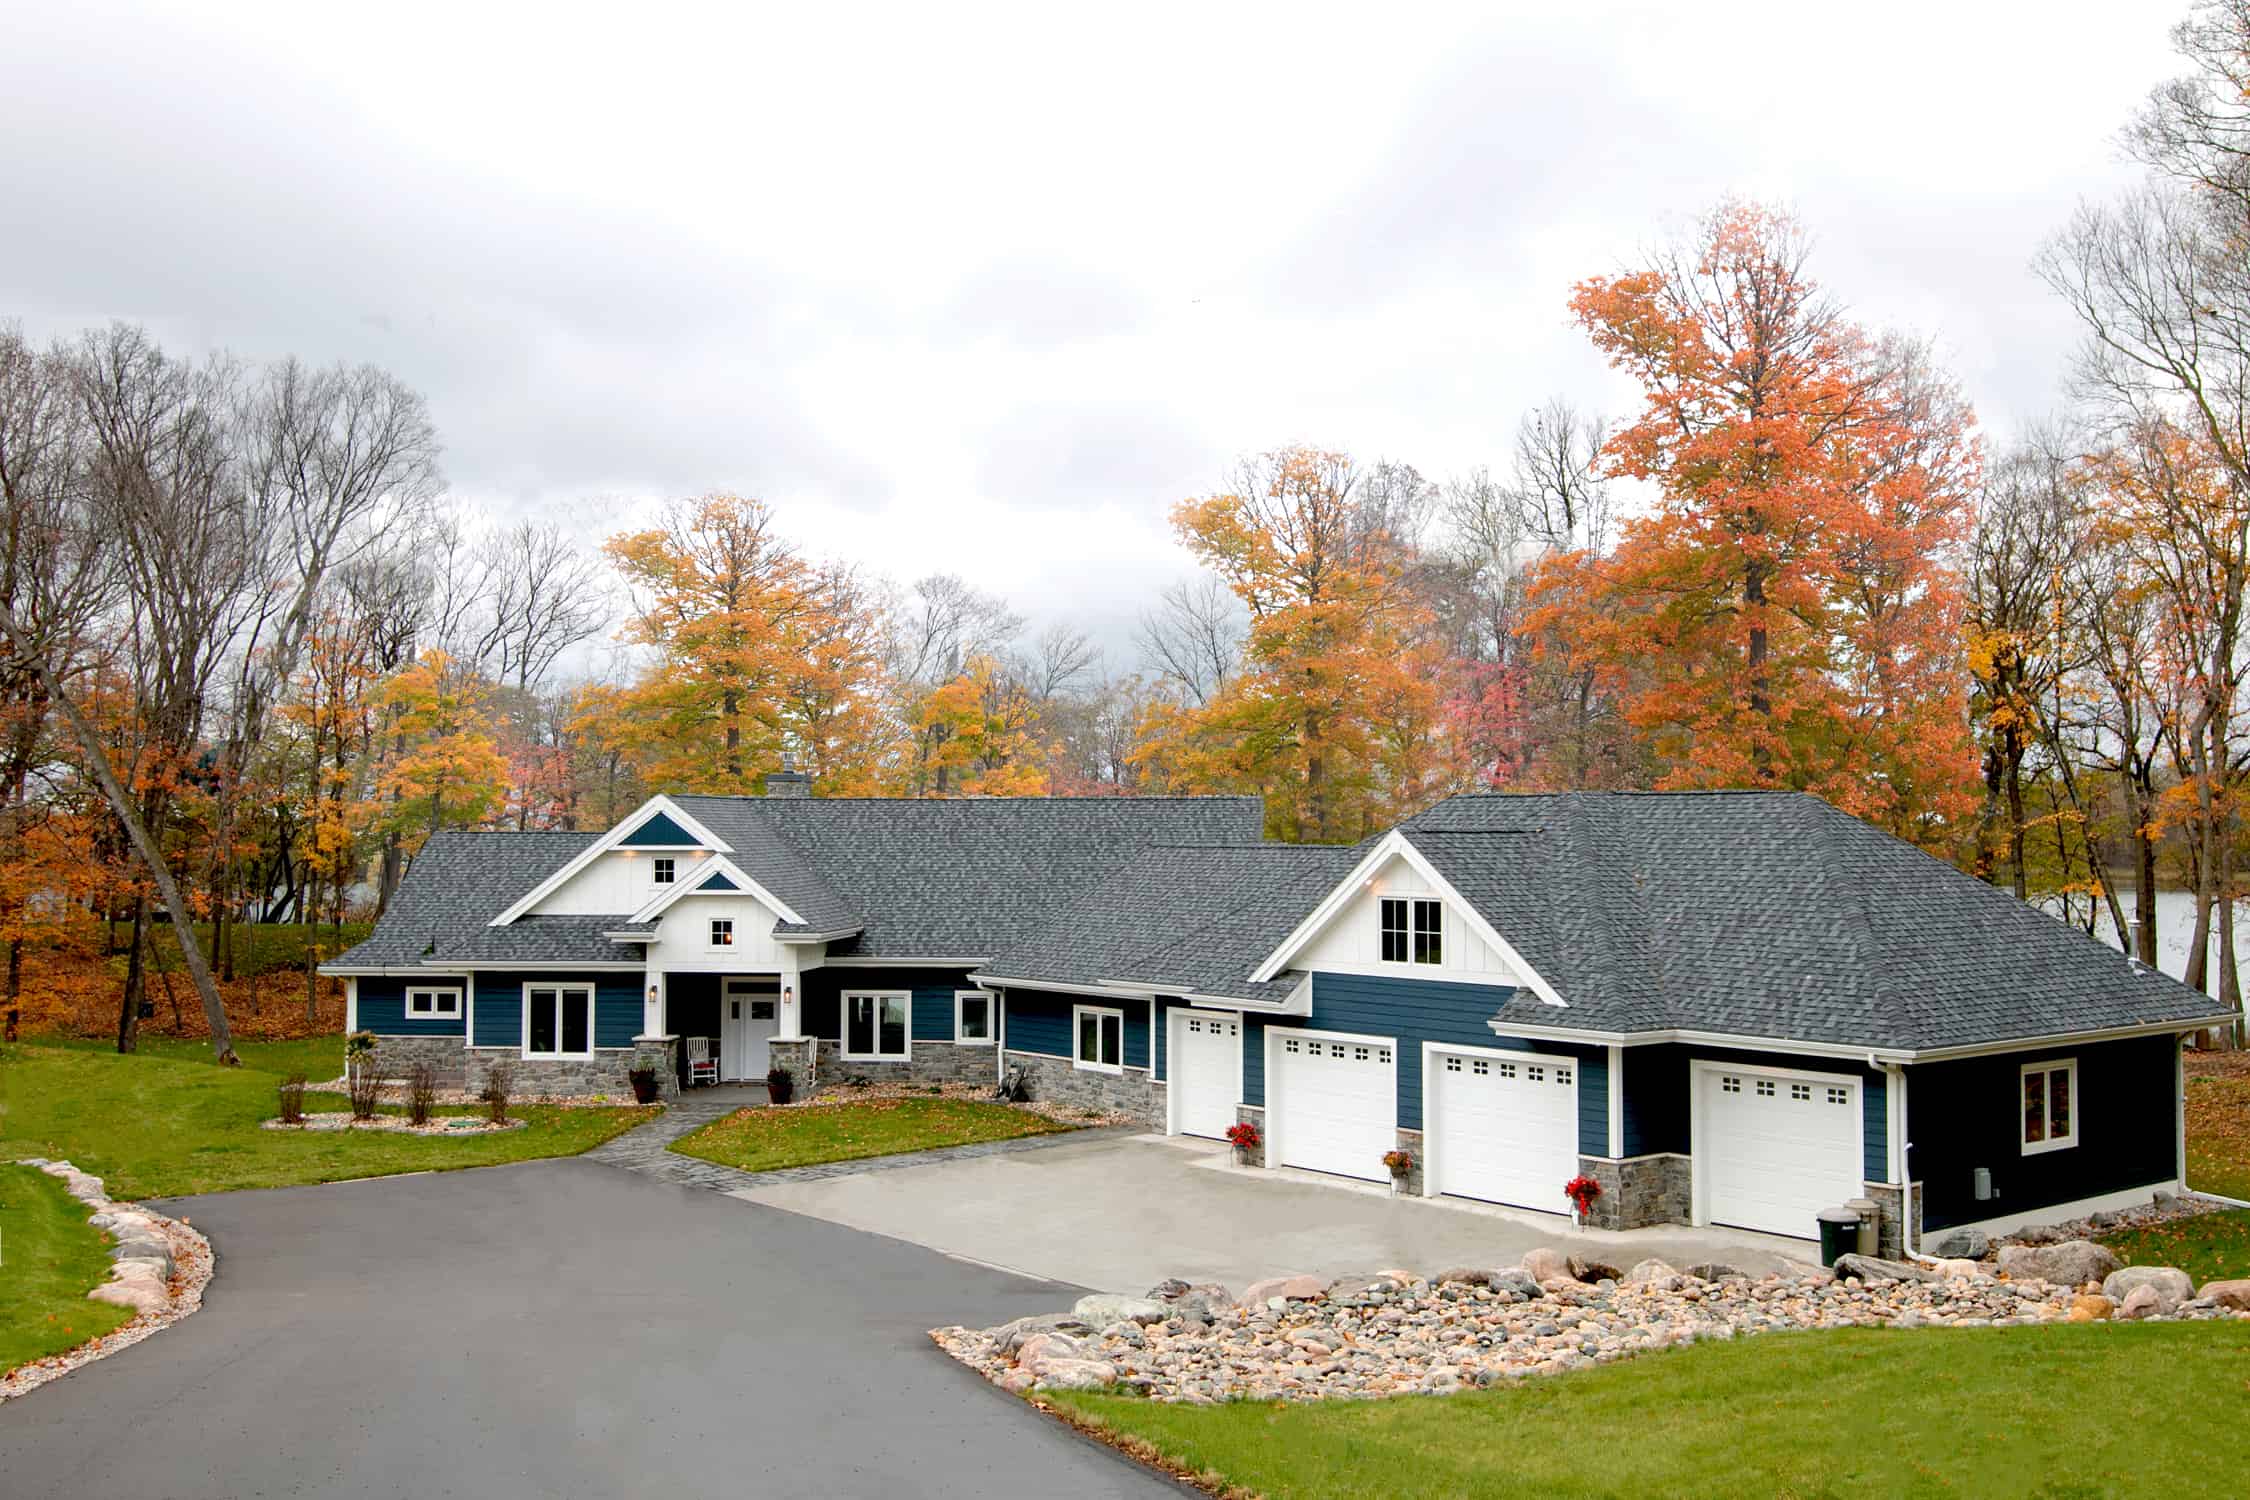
{"points": [[1332, 1101], [749, 1016], [1206, 1071], [1772, 1149], [1502, 1128]]}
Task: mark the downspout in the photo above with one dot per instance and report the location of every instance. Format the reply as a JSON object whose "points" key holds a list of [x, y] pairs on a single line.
{"points": [[1902, 1145]]}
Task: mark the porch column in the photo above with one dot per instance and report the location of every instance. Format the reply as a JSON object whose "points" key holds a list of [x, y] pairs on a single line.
{"points": [[792, 1001], [652, 1005], [1616, 1103]]}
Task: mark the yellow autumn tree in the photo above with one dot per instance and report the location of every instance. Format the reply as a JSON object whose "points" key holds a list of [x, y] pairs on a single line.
{"points": [[981, 728], [1335, 716], [446, 770]]}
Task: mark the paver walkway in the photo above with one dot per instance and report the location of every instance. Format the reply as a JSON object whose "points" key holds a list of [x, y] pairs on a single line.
{"points": [[647, 1148]]}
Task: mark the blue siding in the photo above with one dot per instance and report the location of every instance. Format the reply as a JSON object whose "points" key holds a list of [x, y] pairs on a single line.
{"points": [[1039, 1021], [499, 1007], [658, 832], [929, 1014], [382, 1006], [1965, 1115]]}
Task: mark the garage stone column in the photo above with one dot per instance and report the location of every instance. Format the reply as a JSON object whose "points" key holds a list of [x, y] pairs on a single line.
{"points": [[1887, 1238], [1410, 1141], [656, 1052], [1251, 1114], [798, 1054]]}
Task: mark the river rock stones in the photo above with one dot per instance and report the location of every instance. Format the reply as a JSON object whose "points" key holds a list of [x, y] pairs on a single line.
{"points": [[2066, 1263]]}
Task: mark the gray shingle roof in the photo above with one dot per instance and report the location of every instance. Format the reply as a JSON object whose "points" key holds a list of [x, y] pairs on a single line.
{"points": [[462, 880], [913, 878], [1772, 914], [1190, 920]]}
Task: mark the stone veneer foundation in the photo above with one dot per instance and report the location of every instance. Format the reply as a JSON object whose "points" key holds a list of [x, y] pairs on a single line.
{"points": [[817, 1061], [606, 1072], [1640, 1191], [1131, 1092]]}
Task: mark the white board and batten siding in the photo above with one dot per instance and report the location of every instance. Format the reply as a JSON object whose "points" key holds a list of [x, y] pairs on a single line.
{"points": [[618, 880], [1351, 942], [683, 937]]}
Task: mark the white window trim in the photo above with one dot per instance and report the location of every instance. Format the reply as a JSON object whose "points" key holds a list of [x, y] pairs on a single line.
{"points": [[991, 1008], [2067, 1065], [711, 935], [668, 865], [1077, 1013], [445, 1002], [844, 1025], [1411, 932], [592, 1020]]}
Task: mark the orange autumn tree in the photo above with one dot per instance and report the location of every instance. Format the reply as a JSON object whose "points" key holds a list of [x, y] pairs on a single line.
{"points": [[446, 770], [983, 727], [1789, 612], [1334, 718]]}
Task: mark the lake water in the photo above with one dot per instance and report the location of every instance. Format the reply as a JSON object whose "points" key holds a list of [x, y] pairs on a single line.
{"points": [[2175, 930]]}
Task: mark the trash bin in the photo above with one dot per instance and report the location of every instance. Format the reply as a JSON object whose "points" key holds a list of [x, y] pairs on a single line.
{"points": [[1839, 1234], [1870, 1224]]}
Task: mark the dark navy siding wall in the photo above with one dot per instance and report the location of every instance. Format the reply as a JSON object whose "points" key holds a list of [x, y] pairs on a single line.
{"points": [[1964, 1115], [499, 1006], [1039, 1021], [382, 1006], [929, 1020], [1659, 1084]]}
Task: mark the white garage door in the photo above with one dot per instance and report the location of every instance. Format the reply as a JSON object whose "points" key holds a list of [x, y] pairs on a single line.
{"points": [[1774, 1149], [1332, 1102], [1206, 1071], [1503, 1129]]}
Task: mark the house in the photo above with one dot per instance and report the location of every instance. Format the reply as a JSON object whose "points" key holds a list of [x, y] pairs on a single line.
{"points": [[1731, 1008]]}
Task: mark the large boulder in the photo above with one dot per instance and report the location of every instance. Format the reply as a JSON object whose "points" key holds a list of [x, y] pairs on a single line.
{"points": [[1582, 1269], [1547, 1264], [2090, 1307], [1010, 1337], [1517, 1280], [2068, 1263], [1289, 1288], [1100, 1309], [1075, 1375], [2171, 1286], [1873, 1268], [141, 1291], [1192, 1302], [2234, 1295], [2141, 1302], [1960, 1244], [1041, 1348], [1650, 1270]]}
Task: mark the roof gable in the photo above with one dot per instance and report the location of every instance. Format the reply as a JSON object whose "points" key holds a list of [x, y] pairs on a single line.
{"points": [[659, 831]]}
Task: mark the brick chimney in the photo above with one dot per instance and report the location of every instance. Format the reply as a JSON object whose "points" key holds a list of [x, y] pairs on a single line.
{"points": [[788, 781]]}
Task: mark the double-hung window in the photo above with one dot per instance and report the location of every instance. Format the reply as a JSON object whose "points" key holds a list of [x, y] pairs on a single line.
{"points": [[972, 1016], [875, 1023], [662, 869], [433, 1004], [1413, 931], [2050, 1105], [1101, 1039], [558, 1020]]}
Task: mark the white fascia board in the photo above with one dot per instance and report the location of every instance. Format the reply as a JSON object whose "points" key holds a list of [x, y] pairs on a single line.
{"points": [[608, 841], [875, 961], [1873, 1056], [807, 938], [1298, 1002], [745, 885], [1396, 844], [1102, 990], [379, 971], [2065, 1039]]}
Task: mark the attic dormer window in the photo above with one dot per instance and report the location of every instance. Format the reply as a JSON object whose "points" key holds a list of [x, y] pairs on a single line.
{"points": [[1413, 931], [661, 869]]}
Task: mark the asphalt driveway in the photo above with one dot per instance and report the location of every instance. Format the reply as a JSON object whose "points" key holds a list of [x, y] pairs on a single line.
{"points": [[557, 1328]]}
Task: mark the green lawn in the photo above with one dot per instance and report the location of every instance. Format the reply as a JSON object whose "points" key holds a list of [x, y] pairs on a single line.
{"points": [[50, 1258], [2109, 1409], [2218, 1123], [259, 947], [160, 1126], [803, 1135], [2209, 1247], [319, 1058]]}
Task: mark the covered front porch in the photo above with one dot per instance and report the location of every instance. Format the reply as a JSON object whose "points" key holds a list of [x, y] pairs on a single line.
{"points": [[734, 1019]]}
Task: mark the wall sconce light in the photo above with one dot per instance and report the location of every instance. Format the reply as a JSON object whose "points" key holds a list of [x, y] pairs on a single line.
{"points": [[652, 992]]}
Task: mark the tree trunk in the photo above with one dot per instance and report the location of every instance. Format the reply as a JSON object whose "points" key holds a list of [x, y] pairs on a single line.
{"points": [[2014, 754], [1761, 690], [136, 981]]}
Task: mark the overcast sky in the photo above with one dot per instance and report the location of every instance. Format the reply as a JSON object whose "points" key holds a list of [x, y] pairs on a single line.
{"points": [[986, 292]]}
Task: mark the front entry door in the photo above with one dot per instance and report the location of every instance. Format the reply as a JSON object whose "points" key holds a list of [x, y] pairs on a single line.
{"points": [[749, 1016]]}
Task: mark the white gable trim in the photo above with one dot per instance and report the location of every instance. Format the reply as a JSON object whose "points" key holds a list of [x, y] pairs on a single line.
{"points": [[692, 886], [1396, 844], [608, 841]]}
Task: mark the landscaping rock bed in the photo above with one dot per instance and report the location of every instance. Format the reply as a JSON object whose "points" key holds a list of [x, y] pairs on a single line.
{"points": [[395, 1092], [439, 1124], [981, 1093], [1392, 1333], [159, 1267]]}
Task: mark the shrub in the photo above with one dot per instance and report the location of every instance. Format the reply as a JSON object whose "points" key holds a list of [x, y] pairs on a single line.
{"points": [[499, 1088], [421, 1092], [293, 1099], [781, 1085], [1401, 1163], [644, 1084], [366, 1082]]}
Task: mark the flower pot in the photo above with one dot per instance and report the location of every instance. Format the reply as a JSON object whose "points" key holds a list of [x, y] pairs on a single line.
{"points": [[1242, 1156]]}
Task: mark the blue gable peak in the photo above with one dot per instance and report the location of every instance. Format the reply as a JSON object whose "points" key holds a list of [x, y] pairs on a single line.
{"points": [[659, 832], [717, 881]]}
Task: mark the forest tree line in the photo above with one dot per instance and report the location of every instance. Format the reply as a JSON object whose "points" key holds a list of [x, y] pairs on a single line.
{"points": [[254, 655]]}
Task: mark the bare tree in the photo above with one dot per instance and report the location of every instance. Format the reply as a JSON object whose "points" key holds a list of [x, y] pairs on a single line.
{"points": [[1560, 495], [1193, 638], [540, 595], [1060, 657], [943, 622]]}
